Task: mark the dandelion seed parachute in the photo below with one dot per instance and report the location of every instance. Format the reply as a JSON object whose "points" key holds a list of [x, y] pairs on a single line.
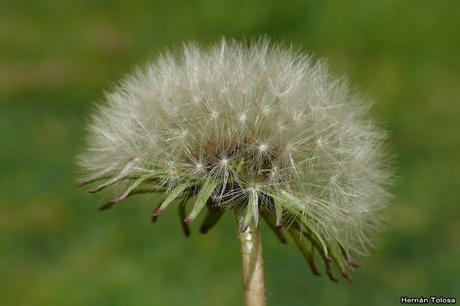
{"points": [[256, 128]]}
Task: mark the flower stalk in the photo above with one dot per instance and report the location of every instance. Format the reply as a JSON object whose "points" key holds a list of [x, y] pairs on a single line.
{"points": [[253, 268]]}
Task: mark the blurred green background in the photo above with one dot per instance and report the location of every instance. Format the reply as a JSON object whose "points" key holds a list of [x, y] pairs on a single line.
{"points": [[56, 59]]}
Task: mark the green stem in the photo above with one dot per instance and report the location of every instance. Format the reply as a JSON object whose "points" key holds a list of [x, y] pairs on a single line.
{"points": [[253, 270]]}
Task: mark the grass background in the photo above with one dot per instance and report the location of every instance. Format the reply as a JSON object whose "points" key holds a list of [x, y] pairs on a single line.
{"points": [[57, 57]]}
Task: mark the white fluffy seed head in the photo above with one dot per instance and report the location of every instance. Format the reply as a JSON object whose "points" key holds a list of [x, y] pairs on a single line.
{"points": [[242, 116]]}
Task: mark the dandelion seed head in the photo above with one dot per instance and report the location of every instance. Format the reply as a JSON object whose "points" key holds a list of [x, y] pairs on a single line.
{"points": [[238, 125], [263, 147]]}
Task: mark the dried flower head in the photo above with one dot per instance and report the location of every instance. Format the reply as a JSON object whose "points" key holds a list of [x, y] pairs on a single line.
{"points": [[258, 129]]}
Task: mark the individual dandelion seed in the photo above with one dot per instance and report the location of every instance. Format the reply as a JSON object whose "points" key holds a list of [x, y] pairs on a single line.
{"points": [[257, 129]]}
